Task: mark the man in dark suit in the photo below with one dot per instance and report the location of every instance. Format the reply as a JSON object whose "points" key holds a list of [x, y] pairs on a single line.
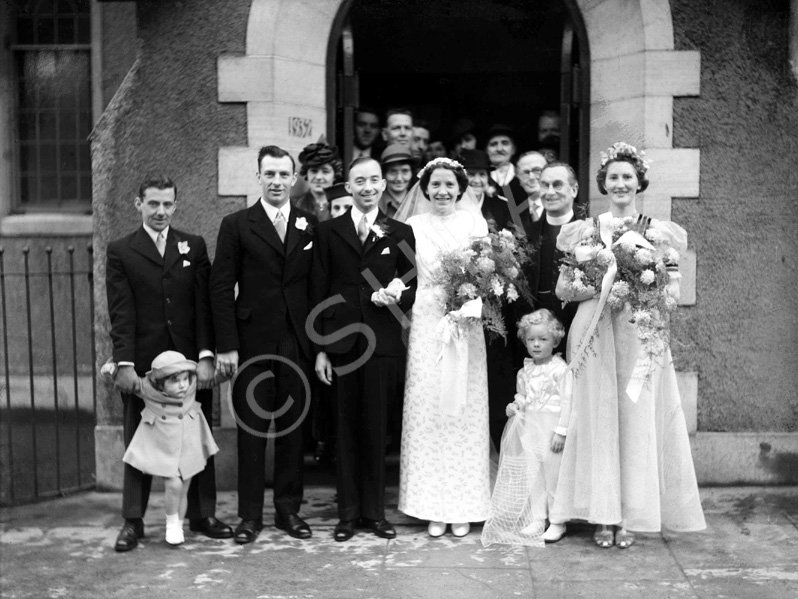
{"points": [[157, 285], [363, 282], [558, 190], [260, 336]]}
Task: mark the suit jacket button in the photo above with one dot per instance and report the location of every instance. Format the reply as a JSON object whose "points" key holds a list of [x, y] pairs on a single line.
{"points": [[163, 417], [180, 417], [168, 300], [169, 322]]}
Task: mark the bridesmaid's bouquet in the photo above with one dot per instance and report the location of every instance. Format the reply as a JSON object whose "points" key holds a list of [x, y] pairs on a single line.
{"points": [[585, 267], [480, 280], [646, 281]]}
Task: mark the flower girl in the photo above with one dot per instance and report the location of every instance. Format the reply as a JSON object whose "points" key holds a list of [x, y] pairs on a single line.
{"points": [[533, 440]]}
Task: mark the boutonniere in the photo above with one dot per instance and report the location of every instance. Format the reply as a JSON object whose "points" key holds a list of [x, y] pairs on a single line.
{"points": [[301, 223], [182, 247], [380, 229]]}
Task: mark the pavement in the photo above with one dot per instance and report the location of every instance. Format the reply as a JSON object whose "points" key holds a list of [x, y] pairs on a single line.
{"points": [[64, 548]]}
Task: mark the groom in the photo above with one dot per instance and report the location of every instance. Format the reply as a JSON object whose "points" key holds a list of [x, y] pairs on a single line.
{"points": [[355, 323]]}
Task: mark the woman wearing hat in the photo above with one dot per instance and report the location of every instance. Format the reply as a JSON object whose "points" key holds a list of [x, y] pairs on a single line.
{"points": [[173, 439], [397, 168], [492, 205], [321, 168]]}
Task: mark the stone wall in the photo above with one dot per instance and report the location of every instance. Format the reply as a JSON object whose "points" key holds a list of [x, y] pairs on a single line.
{"points": [[742, 334]]}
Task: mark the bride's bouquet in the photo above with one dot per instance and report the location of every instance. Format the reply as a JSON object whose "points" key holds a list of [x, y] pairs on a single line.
{"points": [[480, 280]]}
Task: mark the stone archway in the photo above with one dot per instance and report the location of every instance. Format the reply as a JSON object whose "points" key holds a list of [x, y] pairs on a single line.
{"points": [[634, 78], [635, 75]]}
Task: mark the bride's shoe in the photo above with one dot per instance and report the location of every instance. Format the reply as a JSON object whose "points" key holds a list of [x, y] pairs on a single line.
{"points": [[624, 539], [436, 529], [461, 529], [604, 536]]}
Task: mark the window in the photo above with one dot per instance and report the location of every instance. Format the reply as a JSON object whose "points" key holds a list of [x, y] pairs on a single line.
{"points": [[52, 70]]}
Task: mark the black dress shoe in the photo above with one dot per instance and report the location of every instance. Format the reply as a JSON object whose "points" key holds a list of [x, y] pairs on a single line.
{"points": [[211, 527], [344, 530], [381, 528], [247, 531], [293, 525], [129, 536]]}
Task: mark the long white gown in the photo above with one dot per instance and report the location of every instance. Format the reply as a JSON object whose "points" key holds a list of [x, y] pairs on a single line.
{"points": [[625, 461], [444, 468]]}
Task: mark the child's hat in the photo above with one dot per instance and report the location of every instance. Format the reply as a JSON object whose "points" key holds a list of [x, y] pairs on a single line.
{"points": [[168, 363]]}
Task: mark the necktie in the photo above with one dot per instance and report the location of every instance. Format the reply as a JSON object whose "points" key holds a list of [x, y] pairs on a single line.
{"points": [[363, 229], [160, 243], [279, 224]]}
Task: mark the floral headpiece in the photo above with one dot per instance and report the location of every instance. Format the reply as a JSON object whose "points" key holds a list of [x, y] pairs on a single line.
{"points": [[621, 148], [436, 162]]}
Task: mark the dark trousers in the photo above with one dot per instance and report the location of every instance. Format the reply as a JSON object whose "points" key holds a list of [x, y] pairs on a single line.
{"points": [[264, 391], [362, 399], [136, 486]]}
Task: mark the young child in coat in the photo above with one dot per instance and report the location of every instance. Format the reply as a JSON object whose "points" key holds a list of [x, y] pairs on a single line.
{"points": [[173, 439], [533, 440]]}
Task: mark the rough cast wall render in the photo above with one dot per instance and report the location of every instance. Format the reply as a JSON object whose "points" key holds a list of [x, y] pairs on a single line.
{"points": [[741, 336], [166, 118]]}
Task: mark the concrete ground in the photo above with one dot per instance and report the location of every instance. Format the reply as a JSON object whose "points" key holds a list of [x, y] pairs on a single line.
{"points": [[64, 548]]}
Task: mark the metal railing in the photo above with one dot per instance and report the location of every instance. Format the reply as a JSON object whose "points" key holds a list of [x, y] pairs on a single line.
{"points": [[47, 417]]}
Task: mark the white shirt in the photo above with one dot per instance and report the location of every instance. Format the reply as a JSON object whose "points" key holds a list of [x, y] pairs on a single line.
{"points": [[536, 206], [559, 221], [360, 152], [356, 214], [271, 211], [503, 178], [154, 234]]}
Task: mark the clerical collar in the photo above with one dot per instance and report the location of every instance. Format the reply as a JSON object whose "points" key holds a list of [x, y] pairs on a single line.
{"points": [[559, 221]]}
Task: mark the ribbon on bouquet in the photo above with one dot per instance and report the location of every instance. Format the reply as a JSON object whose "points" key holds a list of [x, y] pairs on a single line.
{"points": [[643, 362], [453, 357]]}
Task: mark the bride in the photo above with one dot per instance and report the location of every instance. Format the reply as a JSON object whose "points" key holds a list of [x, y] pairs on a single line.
{"points": [[444, 468]]}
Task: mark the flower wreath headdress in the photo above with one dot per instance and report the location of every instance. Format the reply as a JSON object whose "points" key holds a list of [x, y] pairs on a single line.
{"points": [[435, 163], [621, 148]]}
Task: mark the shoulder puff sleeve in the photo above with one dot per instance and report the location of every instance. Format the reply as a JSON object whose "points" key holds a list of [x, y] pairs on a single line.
{"points": [[571, 233], [673, 233]]}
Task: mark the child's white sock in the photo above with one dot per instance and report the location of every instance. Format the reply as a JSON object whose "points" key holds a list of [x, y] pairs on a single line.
{"points": [[174, 529]]}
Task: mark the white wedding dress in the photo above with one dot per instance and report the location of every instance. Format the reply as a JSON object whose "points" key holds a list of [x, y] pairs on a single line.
{"points": [[444, 468]]}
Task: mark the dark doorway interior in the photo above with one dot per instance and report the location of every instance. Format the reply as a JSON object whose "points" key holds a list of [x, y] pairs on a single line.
{"points": [[492, 61]]}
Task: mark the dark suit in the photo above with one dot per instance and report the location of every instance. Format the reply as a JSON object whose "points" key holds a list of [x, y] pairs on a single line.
{"points": [[158, 304], [350, 272], [543, 274], [267, 318]]}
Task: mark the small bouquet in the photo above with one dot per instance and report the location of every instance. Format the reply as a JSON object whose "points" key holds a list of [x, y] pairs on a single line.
{"points": [[487, 275], [586, 266]]}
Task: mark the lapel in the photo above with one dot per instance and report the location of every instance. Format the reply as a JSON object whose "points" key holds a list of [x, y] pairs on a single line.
{"points": [[372, 239], [171, 255], [262, 227], [143, 244], [292, 234], [346, 229]]}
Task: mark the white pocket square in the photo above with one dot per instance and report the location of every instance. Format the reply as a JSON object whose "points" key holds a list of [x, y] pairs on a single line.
{"points": [[186, 263], [308, 246], [385, 251]]}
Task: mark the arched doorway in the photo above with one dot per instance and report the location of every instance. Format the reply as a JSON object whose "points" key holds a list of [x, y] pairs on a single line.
{"points": [[488, 61]]}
